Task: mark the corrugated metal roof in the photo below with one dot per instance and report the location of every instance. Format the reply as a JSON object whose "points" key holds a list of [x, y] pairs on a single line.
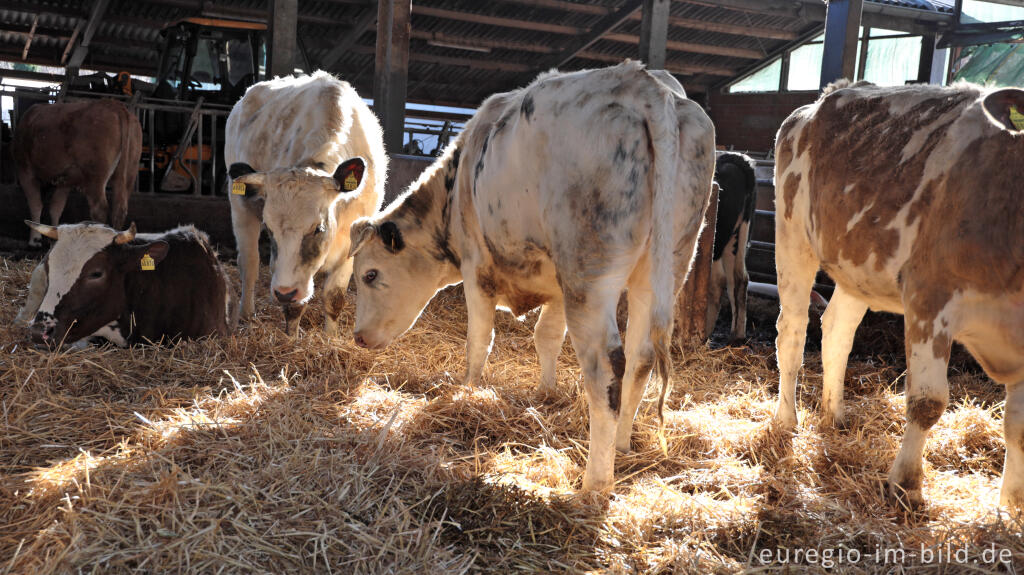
{"points": [[461, 50]]}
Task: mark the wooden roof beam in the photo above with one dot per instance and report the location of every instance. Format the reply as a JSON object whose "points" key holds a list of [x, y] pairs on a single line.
{"points": [[723, 28], [91, 25], [485, 43], [673, 67], [729, 51], [364, 22], [608, 23], [497, 21]]}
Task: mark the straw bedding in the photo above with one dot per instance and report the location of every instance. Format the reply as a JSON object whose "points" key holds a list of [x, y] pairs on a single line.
{"points": [[261, 454]]}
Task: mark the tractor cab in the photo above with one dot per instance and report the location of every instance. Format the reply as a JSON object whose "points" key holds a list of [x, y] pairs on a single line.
{"points": [[212, 59]]}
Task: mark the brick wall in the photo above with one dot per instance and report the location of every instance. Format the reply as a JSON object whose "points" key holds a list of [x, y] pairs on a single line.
{"points": [[749, 121]]}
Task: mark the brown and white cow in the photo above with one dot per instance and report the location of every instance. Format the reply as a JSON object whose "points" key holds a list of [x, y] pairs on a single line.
{"points": [[128, 288], [737, 185], [78, 145], [558, 195], [911, 199], [287, 143]]}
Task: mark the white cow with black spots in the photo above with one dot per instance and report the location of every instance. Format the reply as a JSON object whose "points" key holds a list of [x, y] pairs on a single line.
{"points": [[297, 148], [558, 195]]}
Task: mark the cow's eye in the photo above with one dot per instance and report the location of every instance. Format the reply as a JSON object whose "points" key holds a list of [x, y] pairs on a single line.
{"points": [[96, 275], [369, 277], [320, 229]]}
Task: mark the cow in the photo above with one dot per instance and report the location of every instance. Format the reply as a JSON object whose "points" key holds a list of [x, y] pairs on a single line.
{"points": [[557, 195], [297, 148], [910, 199], [128, 288], [78, 145], [737, 191]]}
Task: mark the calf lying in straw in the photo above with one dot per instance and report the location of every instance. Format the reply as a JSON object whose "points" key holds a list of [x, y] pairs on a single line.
{"points": [[126, 287]]}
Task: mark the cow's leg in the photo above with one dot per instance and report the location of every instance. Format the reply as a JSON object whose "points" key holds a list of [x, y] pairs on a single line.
{"points": [[1011, 495], [245, 222], [838, 325], [292, 316], [590, 316], [639, 358], [34, 196], [479, 330], [119, 198], [715, 289], [334, 295], [57, 202], [548, 336], [927, 392], [796, 266], [96, 193], [36, 292], [736, 280]]}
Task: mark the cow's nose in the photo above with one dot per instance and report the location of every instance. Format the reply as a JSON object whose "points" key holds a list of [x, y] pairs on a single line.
{"points": [[360, 341], [42, 334], [284, 295]]}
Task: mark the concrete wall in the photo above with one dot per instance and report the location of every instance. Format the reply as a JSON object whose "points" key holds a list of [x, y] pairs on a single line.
{"points": [[749, 122], [402, 171]]}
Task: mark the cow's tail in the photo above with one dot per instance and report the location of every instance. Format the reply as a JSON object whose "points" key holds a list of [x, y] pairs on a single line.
{"points": [[663, 128]]}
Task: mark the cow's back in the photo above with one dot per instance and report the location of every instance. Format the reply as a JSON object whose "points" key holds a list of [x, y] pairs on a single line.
{"points": [[187, 295], [568, 157], [60, 143], [883, 179], [289, 121]]}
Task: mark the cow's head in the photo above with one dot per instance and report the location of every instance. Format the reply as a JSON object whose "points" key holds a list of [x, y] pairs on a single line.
{"points": [[300, 211], [1006, 108], [396, 274], [86, 270]]}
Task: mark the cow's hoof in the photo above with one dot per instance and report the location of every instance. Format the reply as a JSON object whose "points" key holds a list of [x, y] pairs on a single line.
{"points": [[905, 498], [836, 421], [783, 422]]}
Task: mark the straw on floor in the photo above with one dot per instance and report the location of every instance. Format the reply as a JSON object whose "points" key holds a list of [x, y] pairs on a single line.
{"points": [[258, 453]]}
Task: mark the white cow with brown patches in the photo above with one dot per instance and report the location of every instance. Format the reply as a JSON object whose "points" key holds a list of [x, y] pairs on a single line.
{"points": [[912, 199], [558, 195], [288, 145]]}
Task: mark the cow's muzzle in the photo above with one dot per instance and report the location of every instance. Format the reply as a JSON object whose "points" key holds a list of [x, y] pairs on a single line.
{"points": [[284, 295]]}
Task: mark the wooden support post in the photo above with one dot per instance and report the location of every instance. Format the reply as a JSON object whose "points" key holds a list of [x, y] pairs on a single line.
{"points": [[654, 33], [842, 27], [283, 31], [391, 75], [924, 70], [692, 305]]}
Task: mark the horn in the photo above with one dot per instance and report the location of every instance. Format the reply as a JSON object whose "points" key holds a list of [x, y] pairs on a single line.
{"points": [[126, 236], [48, 231]]}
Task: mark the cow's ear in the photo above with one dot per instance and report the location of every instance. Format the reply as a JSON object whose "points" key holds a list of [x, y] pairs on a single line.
{"points": [[392, 237], [48, 231], [349, 176], [245, 181], [239, 169], [1006, 108], [361, 232], [144, 257]]}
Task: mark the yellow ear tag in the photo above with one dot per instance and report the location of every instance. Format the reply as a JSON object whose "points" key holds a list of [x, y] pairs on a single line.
{"points": [[238, 188], [147, 263], [1016, 118], [351, 182]]}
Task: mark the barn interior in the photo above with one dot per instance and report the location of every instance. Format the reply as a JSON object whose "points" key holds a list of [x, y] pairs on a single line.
{"points": [[264, 454]]}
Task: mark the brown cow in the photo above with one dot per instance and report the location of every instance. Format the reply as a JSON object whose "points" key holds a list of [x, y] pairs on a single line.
{"points": [[912, 199], [81, 145]]}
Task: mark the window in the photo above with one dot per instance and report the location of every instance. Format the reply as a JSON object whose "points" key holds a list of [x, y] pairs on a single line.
{"points": [[892, 59], [764, 80], [978, 12], [805, 67]]}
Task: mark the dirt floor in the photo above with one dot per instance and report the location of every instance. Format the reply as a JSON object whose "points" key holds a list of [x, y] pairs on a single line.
{"points": [[262, 454]]}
